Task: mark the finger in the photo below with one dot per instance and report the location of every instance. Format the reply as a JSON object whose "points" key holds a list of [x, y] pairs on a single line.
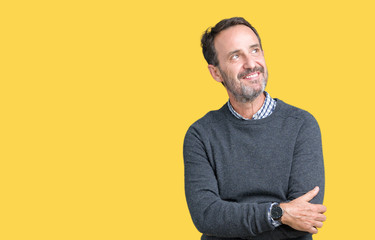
{"points": [[322, 209], [313, 230], [314, 216], [320, 218], [318, 224], [310, 195], [318, 208]]}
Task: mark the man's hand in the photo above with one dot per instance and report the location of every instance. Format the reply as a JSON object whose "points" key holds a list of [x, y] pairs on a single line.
{"points": [[302, 215]]}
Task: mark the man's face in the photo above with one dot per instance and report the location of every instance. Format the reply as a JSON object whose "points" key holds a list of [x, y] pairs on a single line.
{"points": [[242, 67]]}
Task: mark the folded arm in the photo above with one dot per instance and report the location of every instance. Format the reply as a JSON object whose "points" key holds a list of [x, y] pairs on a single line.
{"points": [[212, 215]]}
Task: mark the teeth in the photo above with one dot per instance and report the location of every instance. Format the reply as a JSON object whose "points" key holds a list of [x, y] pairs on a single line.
{"points": [[252, 75]]}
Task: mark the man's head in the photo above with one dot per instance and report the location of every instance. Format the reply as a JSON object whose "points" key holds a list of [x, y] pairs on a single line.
{"points": [[234, 53], [207, 41]]}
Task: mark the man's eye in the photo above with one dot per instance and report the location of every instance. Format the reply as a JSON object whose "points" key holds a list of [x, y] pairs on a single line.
{"points": [[255, 50], [234, 57]]}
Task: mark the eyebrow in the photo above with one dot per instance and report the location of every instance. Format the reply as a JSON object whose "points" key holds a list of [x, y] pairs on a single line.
{"points": [[233, 52], [255, 45], [236, 51]]}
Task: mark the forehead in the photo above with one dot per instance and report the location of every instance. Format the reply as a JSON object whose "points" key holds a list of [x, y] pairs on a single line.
{"points": [[238, 37]]}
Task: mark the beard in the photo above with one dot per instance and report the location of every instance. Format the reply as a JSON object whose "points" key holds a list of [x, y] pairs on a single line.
{"points": [[242, 92]]}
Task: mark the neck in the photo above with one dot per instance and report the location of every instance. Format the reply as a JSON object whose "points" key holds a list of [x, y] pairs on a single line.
{"points": [[247, 109]]}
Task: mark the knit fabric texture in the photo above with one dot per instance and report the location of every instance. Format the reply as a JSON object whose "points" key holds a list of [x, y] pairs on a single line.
{"points": [[235, 169]]}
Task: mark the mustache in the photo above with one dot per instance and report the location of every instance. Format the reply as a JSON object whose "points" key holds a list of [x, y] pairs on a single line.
{"points": [[249, 71]]}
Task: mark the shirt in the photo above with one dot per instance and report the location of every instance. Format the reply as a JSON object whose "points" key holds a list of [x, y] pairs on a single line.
{"points": [[267, 108]]}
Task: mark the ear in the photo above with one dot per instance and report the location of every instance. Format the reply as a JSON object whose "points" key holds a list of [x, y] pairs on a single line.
{"points": [[215, 73]]}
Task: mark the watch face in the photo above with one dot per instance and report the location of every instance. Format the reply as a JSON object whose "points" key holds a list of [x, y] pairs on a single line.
{"points": [[276, 212]]}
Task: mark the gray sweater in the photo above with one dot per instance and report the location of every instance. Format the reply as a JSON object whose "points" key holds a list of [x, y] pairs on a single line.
{"points": [[235, 169]]}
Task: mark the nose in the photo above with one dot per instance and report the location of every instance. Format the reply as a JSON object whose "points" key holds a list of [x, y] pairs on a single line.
{"points": [[249, 62]]}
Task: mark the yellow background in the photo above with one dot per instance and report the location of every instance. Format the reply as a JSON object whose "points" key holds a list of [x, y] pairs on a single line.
{"points": [[96, 97]]}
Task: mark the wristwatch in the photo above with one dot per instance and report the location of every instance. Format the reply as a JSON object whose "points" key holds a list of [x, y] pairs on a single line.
{"points": [[276, 212]]}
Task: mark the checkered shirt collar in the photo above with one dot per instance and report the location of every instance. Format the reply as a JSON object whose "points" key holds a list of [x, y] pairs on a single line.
{"points": [[268, 107]]}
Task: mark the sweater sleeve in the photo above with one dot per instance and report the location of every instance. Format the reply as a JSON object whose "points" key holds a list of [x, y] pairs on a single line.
{"points": [[210, 214], [307, 169]]}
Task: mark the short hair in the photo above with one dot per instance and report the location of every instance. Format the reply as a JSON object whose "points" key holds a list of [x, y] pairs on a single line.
{"points": [[208, 37]]}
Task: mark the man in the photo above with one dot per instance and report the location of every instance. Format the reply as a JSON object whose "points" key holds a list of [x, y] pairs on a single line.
{"points": [[254, 168]]}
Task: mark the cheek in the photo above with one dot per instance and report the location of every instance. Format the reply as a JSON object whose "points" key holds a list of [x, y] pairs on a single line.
{"points": [[262, 63], [229, 72], [232, 70], [261, 60]]}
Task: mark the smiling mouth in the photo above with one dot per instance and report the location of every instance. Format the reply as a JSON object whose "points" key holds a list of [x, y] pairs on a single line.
{"points": [[252, 75]]}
